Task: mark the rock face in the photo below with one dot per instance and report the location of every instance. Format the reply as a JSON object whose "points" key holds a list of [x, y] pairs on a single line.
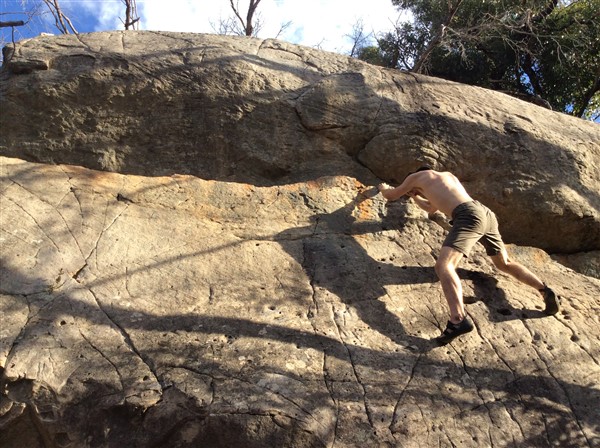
{"points": [[267, 113], [240, 283]]}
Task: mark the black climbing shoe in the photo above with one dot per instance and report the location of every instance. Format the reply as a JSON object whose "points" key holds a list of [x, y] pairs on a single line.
{"points": [[551, 300], [454, 330]]}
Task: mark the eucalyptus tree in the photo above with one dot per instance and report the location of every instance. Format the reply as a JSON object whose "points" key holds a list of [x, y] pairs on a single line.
{"points": [[547, 50]]}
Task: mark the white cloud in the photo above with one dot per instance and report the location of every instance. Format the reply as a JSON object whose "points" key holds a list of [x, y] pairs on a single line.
{"points": [[322, 23], [181, 15], [107, 14], [327, 22]]}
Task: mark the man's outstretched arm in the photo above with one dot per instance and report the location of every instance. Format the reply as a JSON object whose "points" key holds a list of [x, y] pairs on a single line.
{"points": [[392, 194]]}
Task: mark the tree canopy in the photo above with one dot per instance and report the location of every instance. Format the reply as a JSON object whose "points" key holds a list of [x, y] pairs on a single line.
{"points": [[546, 50]]}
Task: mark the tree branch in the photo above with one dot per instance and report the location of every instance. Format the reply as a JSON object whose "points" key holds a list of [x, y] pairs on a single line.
{"points": [[61, 20], [12, 23], [237, 14], [438, 38]]}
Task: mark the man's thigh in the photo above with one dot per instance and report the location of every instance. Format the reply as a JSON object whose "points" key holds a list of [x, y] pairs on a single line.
{"points": [[462, 238], [449, 257], [492, 241]]}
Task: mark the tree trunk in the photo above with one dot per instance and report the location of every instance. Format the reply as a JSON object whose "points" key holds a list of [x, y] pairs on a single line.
{"points": [[585, 101], [247, 25], [249, 17]]}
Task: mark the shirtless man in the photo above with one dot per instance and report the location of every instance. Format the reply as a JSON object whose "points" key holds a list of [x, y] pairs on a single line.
{"points": [[471, 222]]}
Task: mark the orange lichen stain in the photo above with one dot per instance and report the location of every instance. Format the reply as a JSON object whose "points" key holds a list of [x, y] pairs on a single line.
{"points": [[364, 210], [359, 185], [313, 184], [364, 204]]}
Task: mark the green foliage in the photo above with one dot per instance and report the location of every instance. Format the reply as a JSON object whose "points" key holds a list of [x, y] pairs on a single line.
{"points": [[548, 49], [568, 57], [372, 55]]}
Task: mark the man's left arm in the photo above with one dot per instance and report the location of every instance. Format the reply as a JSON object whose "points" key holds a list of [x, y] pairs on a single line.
{"points": [[432, 212], [393, 194]]}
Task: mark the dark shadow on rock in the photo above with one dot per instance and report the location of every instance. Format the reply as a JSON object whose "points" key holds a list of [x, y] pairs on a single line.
{"points": [[560, 405], [333, 260], [489, 293]]}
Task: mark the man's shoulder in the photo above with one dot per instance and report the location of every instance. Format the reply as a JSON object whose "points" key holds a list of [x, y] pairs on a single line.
{"points": [[446, 175], [432, 175]]}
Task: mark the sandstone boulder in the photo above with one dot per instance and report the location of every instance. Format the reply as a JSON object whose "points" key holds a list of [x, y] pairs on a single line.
{"points": [[587, 263], [194, 254], [177, 312], [268, 113]]}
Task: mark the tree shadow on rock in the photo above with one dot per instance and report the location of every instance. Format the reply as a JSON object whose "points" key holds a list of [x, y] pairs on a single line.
{"points": [[335, 261], [560, 405], [488, 292]]}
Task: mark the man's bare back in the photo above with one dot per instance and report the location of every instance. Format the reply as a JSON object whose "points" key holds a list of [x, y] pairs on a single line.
{"points": [[431, 190]]}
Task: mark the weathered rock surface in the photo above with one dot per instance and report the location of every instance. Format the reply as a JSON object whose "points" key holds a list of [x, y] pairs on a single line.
{"points": [[175, 311], [256, 291], [586, 263], [263, 112]]}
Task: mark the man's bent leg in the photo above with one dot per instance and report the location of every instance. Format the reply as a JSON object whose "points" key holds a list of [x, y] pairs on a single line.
{"points": [[524, 275], [445, 269], [517, 270]]}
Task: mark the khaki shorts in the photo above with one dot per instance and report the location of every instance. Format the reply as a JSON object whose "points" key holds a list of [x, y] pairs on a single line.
{"points": [[473, 222]]}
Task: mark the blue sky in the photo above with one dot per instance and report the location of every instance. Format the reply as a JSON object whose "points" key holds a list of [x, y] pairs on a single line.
{"points": [[318, 23]]}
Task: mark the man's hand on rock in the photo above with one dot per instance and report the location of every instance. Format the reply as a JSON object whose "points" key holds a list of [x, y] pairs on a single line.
{"points": [[385, 189]]}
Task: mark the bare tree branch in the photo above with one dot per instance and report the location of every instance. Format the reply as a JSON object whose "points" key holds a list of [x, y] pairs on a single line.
{"points": [[11, 23], [62, 22], [358, 37], [438, 38], [8, 52], [282, 28], [235, 9]]}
